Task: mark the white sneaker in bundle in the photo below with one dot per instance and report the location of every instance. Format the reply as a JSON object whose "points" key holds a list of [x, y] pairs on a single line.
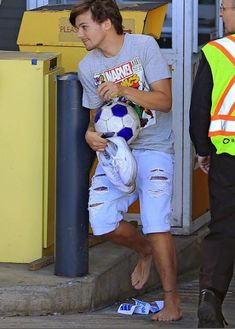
{"points": [[119, 164]]}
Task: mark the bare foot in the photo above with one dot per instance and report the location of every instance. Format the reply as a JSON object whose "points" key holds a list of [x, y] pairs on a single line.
{"points": [[171, 310], [141, 272]]}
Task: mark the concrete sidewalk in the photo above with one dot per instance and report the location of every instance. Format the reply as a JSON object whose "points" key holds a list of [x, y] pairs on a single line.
{"points": [[108, 317], [24, 292]]}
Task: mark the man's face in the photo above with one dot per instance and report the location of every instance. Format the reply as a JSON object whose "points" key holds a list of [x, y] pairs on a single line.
{"points": [[91, 33], [227, 12]]}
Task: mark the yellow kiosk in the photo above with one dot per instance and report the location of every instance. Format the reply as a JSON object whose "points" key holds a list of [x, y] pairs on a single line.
{"points": [[27, 148], [48, 29]]}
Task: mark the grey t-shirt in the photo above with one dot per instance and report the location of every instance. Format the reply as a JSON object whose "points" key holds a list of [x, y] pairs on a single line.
{"points": [[138, 64]]}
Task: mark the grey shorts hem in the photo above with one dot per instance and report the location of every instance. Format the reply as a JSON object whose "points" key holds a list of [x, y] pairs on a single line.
{"points": [[155, 229], [104, 230]]}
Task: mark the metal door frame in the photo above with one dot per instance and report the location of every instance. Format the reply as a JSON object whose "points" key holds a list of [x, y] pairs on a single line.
{"points": [[175, 57]]}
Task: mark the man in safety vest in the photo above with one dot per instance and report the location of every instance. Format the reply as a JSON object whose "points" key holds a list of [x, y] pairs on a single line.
{"points": [[212, 130]]}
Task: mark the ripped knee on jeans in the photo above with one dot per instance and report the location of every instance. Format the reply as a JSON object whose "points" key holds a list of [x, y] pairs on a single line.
{"points": [[93, 205], [161, 182]]}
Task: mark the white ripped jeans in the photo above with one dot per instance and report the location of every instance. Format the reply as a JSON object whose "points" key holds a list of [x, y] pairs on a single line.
{"points": [[153, 188]]}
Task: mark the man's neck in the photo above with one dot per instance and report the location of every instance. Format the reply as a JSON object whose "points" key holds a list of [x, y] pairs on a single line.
{"points": [[112, 45]]}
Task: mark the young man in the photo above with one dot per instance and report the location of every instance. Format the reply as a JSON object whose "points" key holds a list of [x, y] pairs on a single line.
{"points": [[212, 129], [130, 67]]}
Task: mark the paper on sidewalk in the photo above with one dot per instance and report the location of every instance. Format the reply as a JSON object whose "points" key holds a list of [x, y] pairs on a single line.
{"points": [[126, 308], [141, 307]]}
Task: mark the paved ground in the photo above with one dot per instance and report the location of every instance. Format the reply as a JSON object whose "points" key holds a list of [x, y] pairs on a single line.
{"points": [[108, 318], [24, 292]]}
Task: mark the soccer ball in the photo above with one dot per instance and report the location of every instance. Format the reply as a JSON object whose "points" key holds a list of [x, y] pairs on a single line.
{"points": [[118, 119]]}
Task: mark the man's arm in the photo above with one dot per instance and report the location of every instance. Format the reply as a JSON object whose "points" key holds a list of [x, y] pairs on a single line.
{"points": [[159, 98], [200, 108], [94, 139]]}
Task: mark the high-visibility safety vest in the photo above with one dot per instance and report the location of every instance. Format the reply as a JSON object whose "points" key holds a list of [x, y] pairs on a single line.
{"points": [[220, 55]]}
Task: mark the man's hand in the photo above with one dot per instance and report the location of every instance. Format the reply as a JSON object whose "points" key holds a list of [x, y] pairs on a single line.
{"points": [[95, 141], [108, 90], [204, 163]]}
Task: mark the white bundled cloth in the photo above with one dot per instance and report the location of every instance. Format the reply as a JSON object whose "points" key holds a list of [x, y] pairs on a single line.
{"points": [[119, 164]]}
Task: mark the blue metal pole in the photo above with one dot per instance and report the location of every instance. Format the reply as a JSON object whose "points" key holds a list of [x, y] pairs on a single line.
{"points": [[72, 179]]}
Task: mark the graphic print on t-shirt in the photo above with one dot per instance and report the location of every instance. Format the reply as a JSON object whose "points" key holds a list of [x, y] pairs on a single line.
{"points": [[129, 74]]}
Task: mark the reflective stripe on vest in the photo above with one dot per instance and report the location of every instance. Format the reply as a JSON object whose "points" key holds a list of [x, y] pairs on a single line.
{"points": [[222, 63], [227, 46], [222, 121]]}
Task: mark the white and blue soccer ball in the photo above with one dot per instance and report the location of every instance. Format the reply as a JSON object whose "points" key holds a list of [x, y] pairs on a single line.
{"points": [[118, 119]]}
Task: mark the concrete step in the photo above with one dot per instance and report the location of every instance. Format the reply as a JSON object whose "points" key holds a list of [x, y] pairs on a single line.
{"points": [[24, 292]]}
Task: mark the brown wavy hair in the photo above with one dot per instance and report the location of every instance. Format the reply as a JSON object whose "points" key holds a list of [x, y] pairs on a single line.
{"points": [[100, 11]]}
